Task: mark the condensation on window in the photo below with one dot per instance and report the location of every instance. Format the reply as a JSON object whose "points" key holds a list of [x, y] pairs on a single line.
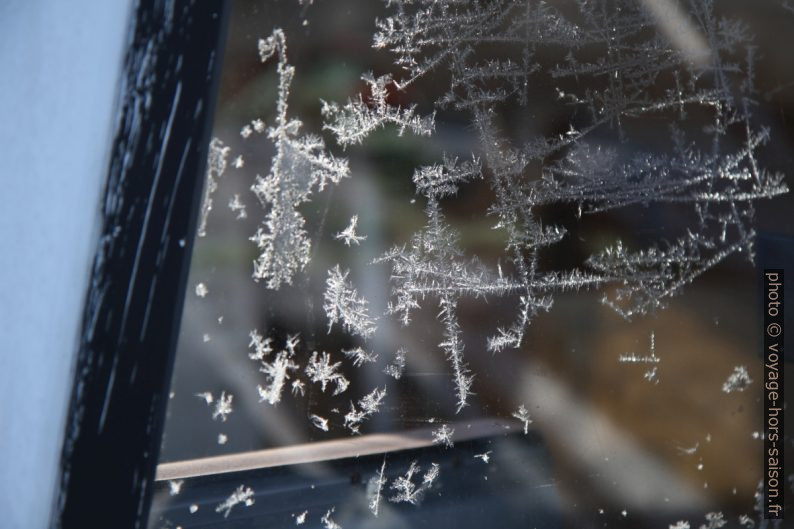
{"points": [[502, 255]]}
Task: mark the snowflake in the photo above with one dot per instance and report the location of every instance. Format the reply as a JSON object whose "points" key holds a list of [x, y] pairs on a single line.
{"points": [[408, 491], [397, 367], [342, 305], [321, 371], [216, 166], [349, 235], [522, 414], [443, 436], [175, 486], [319, 422], [485, 457], [738, 380], [243, 495], [327, 522], [375, 488], [300, 164], [359, 356], [238, 207], [223, 406], [359, 118], [277, 371], [369, 405]]}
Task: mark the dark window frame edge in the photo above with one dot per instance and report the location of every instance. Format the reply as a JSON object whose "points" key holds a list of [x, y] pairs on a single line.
{"points": [[151, 199]]}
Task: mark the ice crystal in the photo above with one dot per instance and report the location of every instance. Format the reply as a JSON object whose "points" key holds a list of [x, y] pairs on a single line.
{"points": [[238, 207], [175, 486], [223, 406], [321, 371], [349, 235], [443, 436], [300, 519], [487, 50], [652, 374], [216, 166], [206, 397], [397, 367], [714, 520], [298, 387], [328, 522], [375, 489], [319, 422], [522, 414], [406, 490], [299, 166], [238, 162], [485, 457], [262, 346], [277, 371], [357, 119], [681, 524], [738, 380], [201, 290], [342, 305], [359, 356], [367, 406], [222, 438], [243, 495]]}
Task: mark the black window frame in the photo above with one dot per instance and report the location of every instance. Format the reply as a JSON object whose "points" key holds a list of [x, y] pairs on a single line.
{"points": [[167, 93]]}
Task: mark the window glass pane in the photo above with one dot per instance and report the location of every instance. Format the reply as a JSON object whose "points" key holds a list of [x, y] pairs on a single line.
{"points": [[524, 239]]}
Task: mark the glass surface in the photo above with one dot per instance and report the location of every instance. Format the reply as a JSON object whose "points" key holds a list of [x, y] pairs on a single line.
{"points": [[570, 204]]}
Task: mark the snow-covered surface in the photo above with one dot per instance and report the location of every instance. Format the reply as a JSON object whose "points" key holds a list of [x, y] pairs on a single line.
{"points": [[60, 64]]}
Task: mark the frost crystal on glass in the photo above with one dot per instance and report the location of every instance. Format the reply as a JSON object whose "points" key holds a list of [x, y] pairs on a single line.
{"points": [[367, 407], [328, 522], [357, 119], [243, 495], [299, 165], [223, 406], [406, 490], [522, 414], [375, 489], [443, 436], [397, 367], [738, 380], [349, 235], [321, 371], [342, 305], [216, 166], [237, 207], [359, 356], [319, 422]]}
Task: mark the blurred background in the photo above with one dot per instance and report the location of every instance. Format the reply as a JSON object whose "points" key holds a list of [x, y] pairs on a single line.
{"points": [[620, 449]]}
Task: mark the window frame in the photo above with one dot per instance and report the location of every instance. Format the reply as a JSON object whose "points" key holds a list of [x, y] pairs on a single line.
{"points": [[170, 77]]}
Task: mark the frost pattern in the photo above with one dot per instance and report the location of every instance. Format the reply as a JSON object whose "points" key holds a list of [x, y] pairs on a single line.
{"points": [[522, 414], [357, 119], [443, 436], [216, 166], [321, 371], [397, 367], [328, 522], [367, 407], [652, 374], [243, 495], [342, 305], [223, 406], [375, 489], [718, 177], [299, 165], [409, 492], [359, 356], [349, 235], [277, 371], [738, 380], [237, 207]]}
